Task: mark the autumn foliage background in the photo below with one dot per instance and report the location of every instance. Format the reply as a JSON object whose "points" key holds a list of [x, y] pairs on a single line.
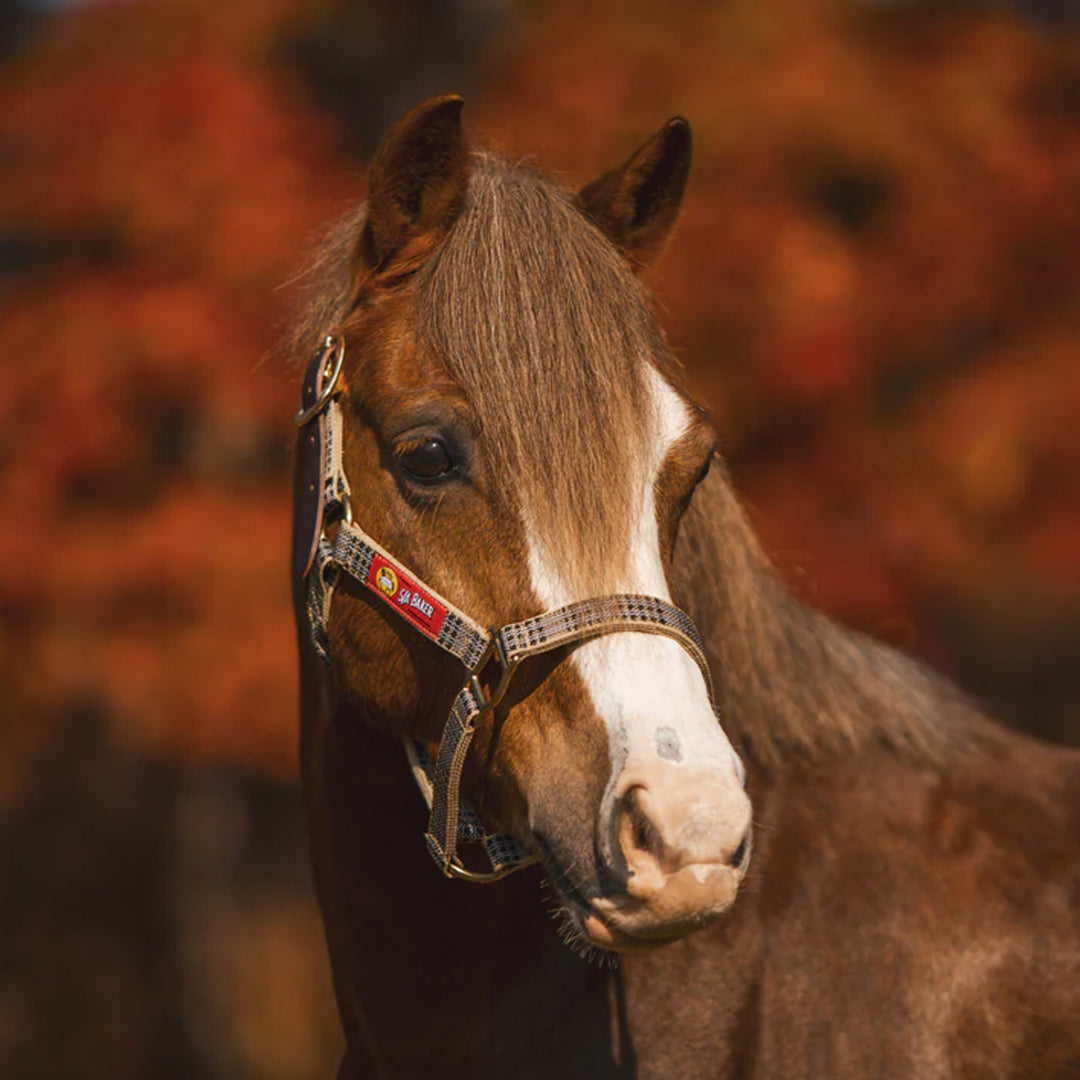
{"points": [[873, 286]]}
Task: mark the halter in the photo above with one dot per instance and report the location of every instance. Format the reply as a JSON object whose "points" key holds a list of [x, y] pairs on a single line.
{"points": [[490, 657]]}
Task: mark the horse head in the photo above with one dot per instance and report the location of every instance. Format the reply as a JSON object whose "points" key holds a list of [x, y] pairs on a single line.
{"points": [[514, 433]]}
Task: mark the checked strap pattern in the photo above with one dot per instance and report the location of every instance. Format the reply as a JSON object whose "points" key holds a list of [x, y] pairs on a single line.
{"points": [[587, 619], [433, 615]]}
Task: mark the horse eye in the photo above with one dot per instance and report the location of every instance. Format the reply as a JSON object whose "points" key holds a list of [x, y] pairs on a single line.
{"points": [[428, 459], [684, 502]]}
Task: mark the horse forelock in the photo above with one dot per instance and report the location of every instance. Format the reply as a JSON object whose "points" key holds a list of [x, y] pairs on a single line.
{"points": [[547, 330]]}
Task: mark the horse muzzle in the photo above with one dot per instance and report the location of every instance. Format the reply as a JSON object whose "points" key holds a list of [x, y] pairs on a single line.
{"points": [[674, 847]]}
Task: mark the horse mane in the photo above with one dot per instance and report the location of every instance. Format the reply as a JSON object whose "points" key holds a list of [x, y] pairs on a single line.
{"points": [[792, 684]]}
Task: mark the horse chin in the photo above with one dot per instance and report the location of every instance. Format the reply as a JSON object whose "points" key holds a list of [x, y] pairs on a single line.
{"points": [[596, 922], [605, 936]]}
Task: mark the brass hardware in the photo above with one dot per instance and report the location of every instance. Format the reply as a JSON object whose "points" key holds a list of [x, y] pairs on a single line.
{"points": [[507, 664], [477, 877], [331, 371]]}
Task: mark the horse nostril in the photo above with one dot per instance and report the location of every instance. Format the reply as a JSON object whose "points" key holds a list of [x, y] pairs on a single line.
{"points": [[667, 819], [643, 834], [741, 852]]}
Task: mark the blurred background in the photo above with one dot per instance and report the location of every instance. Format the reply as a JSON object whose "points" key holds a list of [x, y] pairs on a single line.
{"points": [[874, 286]]}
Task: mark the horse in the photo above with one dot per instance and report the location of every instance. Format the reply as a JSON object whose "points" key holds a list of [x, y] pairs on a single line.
{"points": [[775, 847]]}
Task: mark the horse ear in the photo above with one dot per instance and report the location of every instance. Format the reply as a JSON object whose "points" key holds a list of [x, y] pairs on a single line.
{"points": [[636, 204], [417, 181]]}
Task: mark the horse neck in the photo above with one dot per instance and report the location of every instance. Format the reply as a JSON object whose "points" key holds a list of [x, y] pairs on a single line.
{"points": [[410, 949], [790, 682]]}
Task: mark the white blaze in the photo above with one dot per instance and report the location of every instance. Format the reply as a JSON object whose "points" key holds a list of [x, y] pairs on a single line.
{"points": [[647, 688]]}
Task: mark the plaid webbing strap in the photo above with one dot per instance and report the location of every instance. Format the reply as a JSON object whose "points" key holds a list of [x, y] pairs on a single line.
{"points": [[452, 819], [564, 627], [317, 563], [586, 619], [433, 615]]}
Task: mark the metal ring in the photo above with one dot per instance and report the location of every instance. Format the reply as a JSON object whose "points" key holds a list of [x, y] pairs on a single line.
{"points": [[479, 877], [331, 371]]}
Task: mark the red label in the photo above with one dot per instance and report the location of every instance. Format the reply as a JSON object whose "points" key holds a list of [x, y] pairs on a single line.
{"points": [[405, 596]]}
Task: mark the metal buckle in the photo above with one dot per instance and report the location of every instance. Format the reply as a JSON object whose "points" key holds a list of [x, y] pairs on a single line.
{"points": [[343, 506], [456, 868], [331, 371], [508, 665]]}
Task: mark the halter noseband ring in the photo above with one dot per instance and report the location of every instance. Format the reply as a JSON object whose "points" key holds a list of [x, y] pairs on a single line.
{"points": [[324, 491]]}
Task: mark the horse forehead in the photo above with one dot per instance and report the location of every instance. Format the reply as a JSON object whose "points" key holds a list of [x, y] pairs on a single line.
{"points": [[392, 368]]}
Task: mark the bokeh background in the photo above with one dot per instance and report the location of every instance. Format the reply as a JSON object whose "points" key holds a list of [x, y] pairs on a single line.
{"points": [[874, 286]]}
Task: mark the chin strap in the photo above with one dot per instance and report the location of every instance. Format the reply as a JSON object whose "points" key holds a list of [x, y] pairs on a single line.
{"points": [[489, 657]]}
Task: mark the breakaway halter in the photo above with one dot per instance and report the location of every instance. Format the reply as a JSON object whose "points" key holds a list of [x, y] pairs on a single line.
{"points": [[490, 657]]}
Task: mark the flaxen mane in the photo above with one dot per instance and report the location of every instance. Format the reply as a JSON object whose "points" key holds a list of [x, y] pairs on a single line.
{"points": [[548, 331]]}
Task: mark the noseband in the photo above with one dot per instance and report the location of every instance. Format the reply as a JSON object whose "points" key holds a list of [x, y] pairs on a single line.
{"points": [[490, 657]]}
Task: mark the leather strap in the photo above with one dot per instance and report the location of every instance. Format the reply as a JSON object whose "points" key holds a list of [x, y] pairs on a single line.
{"points": [[308, 508]]}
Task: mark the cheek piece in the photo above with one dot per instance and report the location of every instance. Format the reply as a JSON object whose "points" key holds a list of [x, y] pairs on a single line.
{"points": [[489, 656]]}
